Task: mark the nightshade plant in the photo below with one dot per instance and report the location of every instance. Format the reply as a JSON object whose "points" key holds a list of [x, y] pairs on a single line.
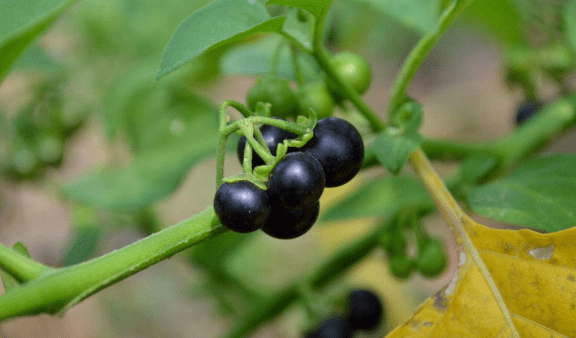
{"points": [[169, 128]]}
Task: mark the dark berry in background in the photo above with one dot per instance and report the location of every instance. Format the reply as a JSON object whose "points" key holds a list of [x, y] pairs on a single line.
{"points": [[272, 135], [285, 223], [297, 181], [338, 146], [333, 327], [526, 110], [241, 206], [365, 310]]}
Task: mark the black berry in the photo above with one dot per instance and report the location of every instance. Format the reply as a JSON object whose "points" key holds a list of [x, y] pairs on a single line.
{"points": [[272, 135], [297, 181], [241, 206], [526, 110], [338, 146], [285, 223], [334, 327], [365, 310]]}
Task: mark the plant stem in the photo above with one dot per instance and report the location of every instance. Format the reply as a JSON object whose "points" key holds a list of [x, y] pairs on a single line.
{"points": [[323, 60], [59, 289], [419, 53], [549, 122], [19, 266], [453, 150], [295, 42], [300, 80]]}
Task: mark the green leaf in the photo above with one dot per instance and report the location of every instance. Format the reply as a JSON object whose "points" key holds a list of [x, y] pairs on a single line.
{"points": [[82, 245], [212, 253], [169, 129], [477, 167], [8, 281], [421, 15], [156, 114], [256, 59], [498, 16], [381, 197], [20, 23], [569, 14], [153, 176], [35, 57], [392, 151], [218, 23], [539, 194], [317, 7]]}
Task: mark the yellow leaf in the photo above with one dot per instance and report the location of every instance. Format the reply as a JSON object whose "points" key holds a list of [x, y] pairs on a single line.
{"points": [[510, 283]]}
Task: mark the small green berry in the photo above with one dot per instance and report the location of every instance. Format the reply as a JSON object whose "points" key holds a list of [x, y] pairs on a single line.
{"points": [[277, 92], [315, 96], [432, 259], [401, 266]]}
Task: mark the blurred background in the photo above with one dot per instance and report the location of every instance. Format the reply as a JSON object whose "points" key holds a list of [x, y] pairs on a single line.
{"points": [[82, 106]]}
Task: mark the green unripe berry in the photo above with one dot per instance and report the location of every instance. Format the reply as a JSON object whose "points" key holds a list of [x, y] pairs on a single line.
{"points": [[315, 96], [432, 259], [24, 160], [277, 92], [50, 149], [352, 69], [400, 266], [395, 243]]}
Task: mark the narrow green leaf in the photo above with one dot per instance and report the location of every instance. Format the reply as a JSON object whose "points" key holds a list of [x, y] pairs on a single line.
{"points": [[82, 245], [500, 17], [421, 15], [569, 14], [539, 194], [218, 23], [21, 22], [211, 254], [381, 197], [392, 151], [317, 7]]}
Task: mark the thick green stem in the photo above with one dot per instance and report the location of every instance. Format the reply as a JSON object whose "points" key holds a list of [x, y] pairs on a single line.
{"points": [[549, 122], [59, 289], [323, 60], [19, 266], [453, 150], [419, 53]]}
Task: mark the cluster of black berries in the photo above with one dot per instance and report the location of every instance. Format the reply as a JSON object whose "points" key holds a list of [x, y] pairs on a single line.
{"points": [[290, 206], [365, 312]]}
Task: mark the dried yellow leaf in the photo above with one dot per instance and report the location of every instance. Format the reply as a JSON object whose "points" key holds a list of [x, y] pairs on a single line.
{"points": [[510, 283]]}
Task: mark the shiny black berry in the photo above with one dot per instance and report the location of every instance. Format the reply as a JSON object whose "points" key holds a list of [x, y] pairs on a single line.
{"points": [[365, 310], [338, 146], [296, 182], [272, 135], [241, 206], [285, 223], [334, 327]]}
